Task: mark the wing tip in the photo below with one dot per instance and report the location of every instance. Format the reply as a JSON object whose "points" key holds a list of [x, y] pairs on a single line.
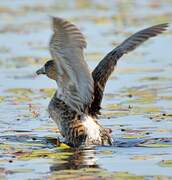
{"points": [[61, 22], [163, 27], [164, 24]]}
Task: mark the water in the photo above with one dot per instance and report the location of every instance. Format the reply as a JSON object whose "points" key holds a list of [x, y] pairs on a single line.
{"points": [[136, 106]]}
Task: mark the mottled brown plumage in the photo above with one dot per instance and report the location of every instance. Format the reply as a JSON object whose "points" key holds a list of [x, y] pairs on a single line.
{"points": [[71, 125], [75, 106]]}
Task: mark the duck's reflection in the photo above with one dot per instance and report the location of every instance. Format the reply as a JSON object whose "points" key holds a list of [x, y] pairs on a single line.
{"points": [[79, 159]]}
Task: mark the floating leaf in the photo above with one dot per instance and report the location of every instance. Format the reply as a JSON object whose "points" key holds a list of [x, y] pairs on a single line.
{"points": [[20, 91], [64, 146], [142, 157], [162, 116], [45, 154], [93, 56], [47, 91], [21, 99], [106, 152], [166, 163], [6, 147], [1, 99], [127, 176]]}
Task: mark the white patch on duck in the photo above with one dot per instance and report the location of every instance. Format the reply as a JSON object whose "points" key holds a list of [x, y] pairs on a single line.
{"points": [[92, 128]]}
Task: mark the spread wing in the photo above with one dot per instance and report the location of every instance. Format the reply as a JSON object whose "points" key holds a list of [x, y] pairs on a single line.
{"points": [[73, 76], [106, 66]]}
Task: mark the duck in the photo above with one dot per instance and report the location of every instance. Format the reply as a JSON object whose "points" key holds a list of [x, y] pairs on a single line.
{"points": [[76, 104]]}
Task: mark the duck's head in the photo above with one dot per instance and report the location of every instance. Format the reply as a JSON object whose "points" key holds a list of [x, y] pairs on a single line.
{"points": [[48, 69]]}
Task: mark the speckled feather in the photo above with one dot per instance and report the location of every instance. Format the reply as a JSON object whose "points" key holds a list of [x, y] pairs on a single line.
{"points": [[72, 125]]}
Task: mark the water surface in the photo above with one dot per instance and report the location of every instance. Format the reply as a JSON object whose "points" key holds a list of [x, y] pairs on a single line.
{"points": [[136, 106]]}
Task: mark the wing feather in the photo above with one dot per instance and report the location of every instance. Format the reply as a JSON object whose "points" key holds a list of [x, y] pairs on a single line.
{"points": [[106, 66], [66, 47]]}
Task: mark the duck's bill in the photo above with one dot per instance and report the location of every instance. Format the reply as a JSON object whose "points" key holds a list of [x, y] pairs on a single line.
{"points": [[40, 71]]}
